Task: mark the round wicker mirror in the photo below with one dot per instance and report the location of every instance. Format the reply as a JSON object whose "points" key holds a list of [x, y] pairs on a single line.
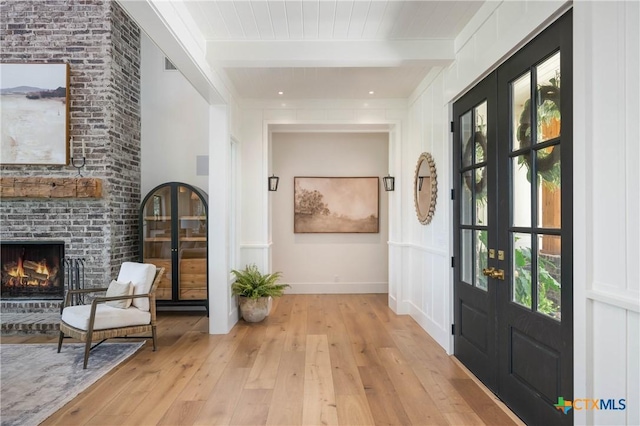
{"points": [[425, 184]]}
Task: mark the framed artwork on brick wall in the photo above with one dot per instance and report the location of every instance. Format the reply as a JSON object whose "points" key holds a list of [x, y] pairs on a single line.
{"points": [[336, 205], [34, 99]]}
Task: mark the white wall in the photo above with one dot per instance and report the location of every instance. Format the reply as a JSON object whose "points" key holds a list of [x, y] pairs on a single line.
{"points": [[328, 263], [496, 31], [426, 248], [606, 154], [606, 182], [175, 124], [257, 204], [606, 207]]}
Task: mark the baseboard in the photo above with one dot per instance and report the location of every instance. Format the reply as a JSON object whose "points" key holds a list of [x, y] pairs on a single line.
{"points": [[440, 335], [337, 288]]}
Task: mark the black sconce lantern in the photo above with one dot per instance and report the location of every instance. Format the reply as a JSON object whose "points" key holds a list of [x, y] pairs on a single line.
{"points": [[389, 183], [420, 180], [273, 183]]}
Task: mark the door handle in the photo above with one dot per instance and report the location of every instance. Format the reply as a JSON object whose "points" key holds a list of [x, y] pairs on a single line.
{"points": [[493, 273], [488, 272], [497, 274]]}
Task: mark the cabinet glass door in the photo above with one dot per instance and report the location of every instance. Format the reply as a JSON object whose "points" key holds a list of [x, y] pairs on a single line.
{"points": [[157, 237], [192, 245]]}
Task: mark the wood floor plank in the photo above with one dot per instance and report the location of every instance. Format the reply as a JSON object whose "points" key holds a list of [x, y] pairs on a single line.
{"points": [[316, 317], [363, 344], [354, 410], [385, 404], [443, 394], [335, 359], [319, 396], [280, 311], [331, 308], [288, 391], [481, 403], [210, 371], [265, 367], [182, 413], [297, 331], [346, 377], [417, 403], [246, 354], [118, 393], [170, 383], [219, 408], [253, 407]]}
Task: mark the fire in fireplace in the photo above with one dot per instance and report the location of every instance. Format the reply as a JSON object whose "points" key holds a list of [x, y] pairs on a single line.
{"points": [[32, 270]]}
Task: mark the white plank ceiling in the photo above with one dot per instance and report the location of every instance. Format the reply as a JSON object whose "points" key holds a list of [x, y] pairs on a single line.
{"points": [[328, 49]]}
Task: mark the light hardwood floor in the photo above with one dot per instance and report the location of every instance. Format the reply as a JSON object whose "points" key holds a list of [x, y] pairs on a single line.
{"points": [[317, 359]]}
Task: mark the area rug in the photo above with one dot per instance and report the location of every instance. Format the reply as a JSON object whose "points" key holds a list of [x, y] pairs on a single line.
{"points": [[36, 380]]}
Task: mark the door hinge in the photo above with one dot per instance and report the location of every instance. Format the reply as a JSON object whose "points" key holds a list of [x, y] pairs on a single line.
{"points": [[453, 262], [453, 194], [452, 127], [453, 329]]}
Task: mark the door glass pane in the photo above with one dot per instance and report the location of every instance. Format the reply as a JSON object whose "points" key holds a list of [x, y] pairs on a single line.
{"points": [[465, 198], [521, 268], [548, 93], [467, 139], [521, 112], [192, 245], [480, 115], [466, 261], [521, 192], [549, 275], [482, 258], [156, 232], [481, 195], [157, 225], [549, 187]]}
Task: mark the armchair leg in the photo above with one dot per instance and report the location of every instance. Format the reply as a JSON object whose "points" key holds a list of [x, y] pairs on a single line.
{"points": [[60, 338], [153, 333], [87, 348]]}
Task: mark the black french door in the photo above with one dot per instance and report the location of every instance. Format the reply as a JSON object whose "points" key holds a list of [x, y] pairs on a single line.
{"points": [[513, 228]]}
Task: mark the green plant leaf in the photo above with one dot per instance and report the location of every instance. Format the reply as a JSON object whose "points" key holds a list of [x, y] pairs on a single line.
{"points": [[250, 282]]}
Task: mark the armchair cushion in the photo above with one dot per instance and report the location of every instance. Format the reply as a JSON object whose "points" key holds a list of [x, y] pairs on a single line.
{"points": [[141, 276], [119, 289], [106, 317]]}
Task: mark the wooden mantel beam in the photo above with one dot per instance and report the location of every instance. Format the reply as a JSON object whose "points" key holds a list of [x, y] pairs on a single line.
{"points": [[43, 187]]}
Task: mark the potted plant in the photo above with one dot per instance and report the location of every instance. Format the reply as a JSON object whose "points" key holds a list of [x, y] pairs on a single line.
{"points": [[254, 290]]}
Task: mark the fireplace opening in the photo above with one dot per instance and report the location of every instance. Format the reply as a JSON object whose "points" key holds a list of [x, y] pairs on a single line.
{"points": [[32, 270]]}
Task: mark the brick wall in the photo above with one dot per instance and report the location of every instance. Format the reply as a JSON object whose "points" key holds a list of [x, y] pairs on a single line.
{"points": [[102, 46]]}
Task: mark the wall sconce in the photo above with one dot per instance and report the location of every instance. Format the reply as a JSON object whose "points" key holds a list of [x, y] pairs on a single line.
{"points": [[273, 183], [389, 183], [420, 180]]}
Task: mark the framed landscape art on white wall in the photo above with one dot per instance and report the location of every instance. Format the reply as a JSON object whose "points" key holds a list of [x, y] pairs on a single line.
{"points": [[336, 205], [34, 100]]}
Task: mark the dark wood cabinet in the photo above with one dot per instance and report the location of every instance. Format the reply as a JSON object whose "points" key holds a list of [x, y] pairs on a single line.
{"points": [[173, 235]]}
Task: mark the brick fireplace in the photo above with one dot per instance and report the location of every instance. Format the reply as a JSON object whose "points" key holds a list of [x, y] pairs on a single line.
{"points": [[101, 44]]}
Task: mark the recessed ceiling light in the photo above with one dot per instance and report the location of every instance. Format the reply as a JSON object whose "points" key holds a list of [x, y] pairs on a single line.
{"points": [[281, 93], [371, 92]]}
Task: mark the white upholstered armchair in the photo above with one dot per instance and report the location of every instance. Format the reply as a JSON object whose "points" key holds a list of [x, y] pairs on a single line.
{"points": [[129, 307]]}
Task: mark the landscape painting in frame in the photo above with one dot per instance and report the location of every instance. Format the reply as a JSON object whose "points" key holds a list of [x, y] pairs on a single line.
{"points": [[34, 99], [336, 205]]}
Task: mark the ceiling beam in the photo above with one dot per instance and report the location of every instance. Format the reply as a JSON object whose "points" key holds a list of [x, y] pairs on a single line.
{"points": [[316, 53], [165, 28]]}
